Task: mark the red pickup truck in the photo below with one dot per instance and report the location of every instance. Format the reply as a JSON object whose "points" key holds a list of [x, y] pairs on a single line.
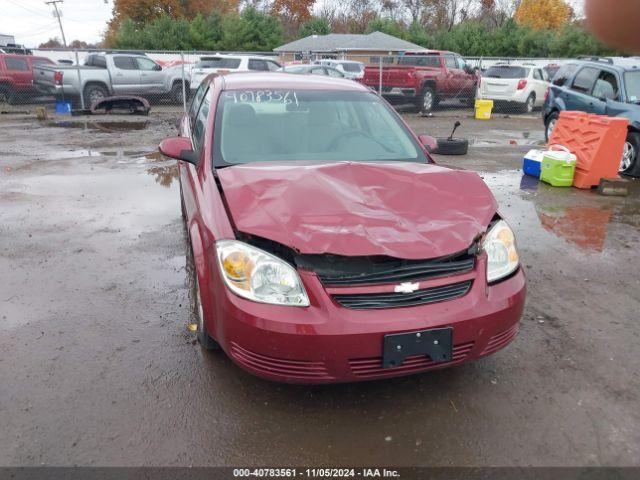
{"points": [[16, 75], [424, 78]]}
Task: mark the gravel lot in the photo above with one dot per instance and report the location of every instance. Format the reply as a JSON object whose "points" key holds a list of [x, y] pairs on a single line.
{"points": [[97, 366]]}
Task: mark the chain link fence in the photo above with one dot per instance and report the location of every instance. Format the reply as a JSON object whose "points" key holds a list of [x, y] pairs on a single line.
{"points": [[428, 83]]}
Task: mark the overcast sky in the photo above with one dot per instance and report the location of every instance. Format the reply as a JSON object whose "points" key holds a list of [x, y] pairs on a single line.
{"points": [[32, 21]]}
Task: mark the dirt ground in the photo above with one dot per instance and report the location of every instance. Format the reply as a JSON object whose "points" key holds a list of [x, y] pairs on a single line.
{"points": [[97, 366]]}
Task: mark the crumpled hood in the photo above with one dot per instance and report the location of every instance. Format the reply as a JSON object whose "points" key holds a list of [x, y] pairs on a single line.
{"points": [[403, 210]]}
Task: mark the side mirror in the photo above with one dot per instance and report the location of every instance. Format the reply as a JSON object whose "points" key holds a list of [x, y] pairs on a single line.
{"points": [[429, 142], [157, 68], [180, 149]]}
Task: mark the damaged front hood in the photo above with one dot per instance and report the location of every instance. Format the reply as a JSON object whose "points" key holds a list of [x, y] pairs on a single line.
{"points": [[403, 210]]}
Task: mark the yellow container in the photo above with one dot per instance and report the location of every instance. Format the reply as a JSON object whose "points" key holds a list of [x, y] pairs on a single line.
{"points": [[483, 109]]}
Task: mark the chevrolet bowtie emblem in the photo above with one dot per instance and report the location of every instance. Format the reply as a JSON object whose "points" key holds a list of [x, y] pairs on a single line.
{"points": [[407, 287]]}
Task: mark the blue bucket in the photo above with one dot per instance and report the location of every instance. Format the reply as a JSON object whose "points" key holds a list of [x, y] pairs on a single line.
{"points": [[63, 108]]}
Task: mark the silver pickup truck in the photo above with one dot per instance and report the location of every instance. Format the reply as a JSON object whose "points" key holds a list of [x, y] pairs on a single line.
{"points": [[106, 74]]}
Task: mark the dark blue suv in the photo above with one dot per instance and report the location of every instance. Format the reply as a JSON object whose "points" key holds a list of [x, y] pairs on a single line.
{"points": [[604, 86]]}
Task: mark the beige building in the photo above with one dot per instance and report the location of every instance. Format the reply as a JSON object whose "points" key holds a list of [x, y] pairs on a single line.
{"points": [[369, 48]]}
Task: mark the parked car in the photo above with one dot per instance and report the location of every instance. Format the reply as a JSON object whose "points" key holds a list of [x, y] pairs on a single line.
{"points": [[519, 86], [425, 79], [349, 68], [313, 70], [105, 74], [603, 86], [328, 246], [552, 69], [16, 76], [230, 63]]}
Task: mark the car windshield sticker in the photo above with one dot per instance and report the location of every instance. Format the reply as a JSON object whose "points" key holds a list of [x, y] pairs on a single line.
{"points": [[286, 97]]}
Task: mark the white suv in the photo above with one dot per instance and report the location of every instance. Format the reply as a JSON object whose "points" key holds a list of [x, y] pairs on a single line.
{"points": [[230, 63], [350, 69], [521, 85]]}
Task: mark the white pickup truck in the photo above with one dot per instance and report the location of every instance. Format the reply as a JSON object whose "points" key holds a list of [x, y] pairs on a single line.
{"points": [[106, 74]]}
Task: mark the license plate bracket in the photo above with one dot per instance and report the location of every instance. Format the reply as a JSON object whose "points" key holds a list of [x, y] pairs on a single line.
{"points": [[436, 343]]}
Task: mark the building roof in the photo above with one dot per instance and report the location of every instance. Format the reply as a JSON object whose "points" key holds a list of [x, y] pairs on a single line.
{"points": [[341, 42]]}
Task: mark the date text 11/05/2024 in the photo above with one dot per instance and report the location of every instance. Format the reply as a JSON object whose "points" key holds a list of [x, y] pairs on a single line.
{"points": [[316, 473]]}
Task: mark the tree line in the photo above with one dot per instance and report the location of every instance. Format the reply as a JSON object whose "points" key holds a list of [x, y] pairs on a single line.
{"points": [[529, 28]]}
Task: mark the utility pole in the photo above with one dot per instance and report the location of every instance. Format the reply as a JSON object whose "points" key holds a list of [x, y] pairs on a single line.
{"points": [[57, 14]]}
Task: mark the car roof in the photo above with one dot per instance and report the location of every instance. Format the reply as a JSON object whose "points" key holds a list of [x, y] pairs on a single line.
{"points": [[625, 64], [288, 81]]}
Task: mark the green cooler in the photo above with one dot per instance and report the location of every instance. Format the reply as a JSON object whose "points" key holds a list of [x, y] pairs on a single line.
{"points": [[558, 166]]}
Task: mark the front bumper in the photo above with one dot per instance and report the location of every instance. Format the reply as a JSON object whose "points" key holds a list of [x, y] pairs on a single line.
{"points": [[327, 343]]}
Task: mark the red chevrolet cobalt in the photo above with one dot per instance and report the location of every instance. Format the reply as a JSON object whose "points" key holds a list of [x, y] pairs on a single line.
{"points": [[328, 246]]}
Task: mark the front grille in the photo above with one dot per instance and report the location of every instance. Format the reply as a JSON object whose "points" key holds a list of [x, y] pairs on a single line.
{"points": [[370, 301], [293, 369], [336, 270], [372, 367]]}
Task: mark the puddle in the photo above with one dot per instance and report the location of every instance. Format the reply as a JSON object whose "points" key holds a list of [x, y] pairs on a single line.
{"points": [[164, 175], [104, 126], [580, 218], [509, 137]]}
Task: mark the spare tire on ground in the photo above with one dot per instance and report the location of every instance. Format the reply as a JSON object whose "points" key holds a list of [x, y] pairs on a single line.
{"points": [[452, 146]]}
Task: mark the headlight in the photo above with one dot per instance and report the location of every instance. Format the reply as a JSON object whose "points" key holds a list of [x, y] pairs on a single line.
{"points": [[502, 254], [259, 276]]}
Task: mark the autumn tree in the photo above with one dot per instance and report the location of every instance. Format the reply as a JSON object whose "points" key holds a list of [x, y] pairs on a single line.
{"points": [[292, 14], [51, 43], [543, 14], [142, 12]]}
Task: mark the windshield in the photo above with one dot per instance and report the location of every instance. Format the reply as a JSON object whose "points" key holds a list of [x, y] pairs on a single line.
{"points": [[218, 63], [507, 72], [277, 125], [420, 60], [632, 86]]}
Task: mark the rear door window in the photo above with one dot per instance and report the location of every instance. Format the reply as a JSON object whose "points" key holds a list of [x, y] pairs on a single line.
{"points": [[420, 60], [16, 64], [563, 74], [585, 79]]}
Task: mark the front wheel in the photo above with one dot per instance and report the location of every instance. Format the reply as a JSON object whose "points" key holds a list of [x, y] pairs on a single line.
{"points": [[550, 124], [197, 311], [629, 164]]}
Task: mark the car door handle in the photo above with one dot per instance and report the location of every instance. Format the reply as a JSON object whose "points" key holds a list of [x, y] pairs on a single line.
{"points": [[118, 74], [143, 74]]}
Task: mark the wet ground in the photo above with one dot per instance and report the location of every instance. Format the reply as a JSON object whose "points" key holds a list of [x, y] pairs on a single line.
{"points": [[97, 366]]}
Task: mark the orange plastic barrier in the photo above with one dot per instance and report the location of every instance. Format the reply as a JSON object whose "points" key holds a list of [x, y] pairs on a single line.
{"points": [[596, 140]]}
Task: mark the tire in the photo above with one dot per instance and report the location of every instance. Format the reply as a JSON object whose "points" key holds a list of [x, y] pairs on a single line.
{"points": [[453, 146], [549, 124], [94, 93], [629, 164], [427, 99], [529, 105], [197, 311], [7, 95], [176, 92]]}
